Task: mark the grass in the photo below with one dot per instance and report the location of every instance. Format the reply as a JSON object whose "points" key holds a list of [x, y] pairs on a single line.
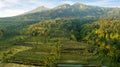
{"points": [[15, 65], [81, 59], [40, 53], [12, 51], [42, 50]]}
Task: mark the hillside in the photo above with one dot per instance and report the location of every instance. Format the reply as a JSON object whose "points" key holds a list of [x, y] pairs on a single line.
{"points": [[66, 34], [103, 37]]}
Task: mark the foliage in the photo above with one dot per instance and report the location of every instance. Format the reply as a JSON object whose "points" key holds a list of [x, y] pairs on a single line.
{"points": [[44, 33], [105, 34], [69, 27]]}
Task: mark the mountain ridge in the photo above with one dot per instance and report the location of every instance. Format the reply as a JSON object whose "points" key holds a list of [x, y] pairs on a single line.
{"points": [[38, 9], [67, 10]]}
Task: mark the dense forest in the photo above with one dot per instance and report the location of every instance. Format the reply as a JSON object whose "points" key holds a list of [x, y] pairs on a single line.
{"points": [[88, 34]]}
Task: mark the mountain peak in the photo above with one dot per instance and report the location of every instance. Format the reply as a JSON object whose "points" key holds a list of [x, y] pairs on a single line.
{"points": [[77, 3], [39, 9], [42, 7], [64, 6], [80, 5]]}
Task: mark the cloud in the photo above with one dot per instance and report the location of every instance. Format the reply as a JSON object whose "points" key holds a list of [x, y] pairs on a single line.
{"points": [[67, 1], [11, 12], [16, 7], [105, 3], [7, 3], [10, 8], [100, 2]]}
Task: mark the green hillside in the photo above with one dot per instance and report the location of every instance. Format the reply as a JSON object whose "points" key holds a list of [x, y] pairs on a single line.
{"points": [[66, 34]]}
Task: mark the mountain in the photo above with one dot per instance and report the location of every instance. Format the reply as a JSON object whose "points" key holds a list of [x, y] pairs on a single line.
{"points": [[39, 9], [75, 10], [63, 11], [66, 10], [79, 5], [114, 13], [64, 6]]}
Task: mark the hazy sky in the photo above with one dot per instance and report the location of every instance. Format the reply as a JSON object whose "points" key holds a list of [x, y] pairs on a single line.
{"points": [[15, 7]]}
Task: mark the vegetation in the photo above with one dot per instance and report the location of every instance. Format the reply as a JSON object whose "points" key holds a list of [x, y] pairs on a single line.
{"points": [[105, 34], [1, 33], [79, 34]]}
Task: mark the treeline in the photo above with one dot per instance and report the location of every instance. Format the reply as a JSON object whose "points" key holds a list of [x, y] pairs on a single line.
{"points": [[69, 28]]}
